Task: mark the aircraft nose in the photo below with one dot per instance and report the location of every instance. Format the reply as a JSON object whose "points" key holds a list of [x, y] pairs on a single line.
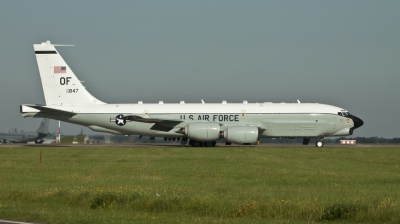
{"points": [[357, 122]]}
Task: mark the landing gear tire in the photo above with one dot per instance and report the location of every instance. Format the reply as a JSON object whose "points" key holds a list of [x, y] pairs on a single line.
{"points": [[209, 144], [39, 141], [197, 144], [319, 143]]}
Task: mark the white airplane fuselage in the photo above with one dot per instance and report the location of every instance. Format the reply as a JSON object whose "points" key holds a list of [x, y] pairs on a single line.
{"points": [[274, 119], [242, 123]]}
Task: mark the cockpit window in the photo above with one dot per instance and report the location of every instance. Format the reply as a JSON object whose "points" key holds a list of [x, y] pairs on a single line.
{"points": [[340, 113], [343, 114]]}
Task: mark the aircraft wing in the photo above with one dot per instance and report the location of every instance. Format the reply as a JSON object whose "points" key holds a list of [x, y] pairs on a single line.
{"points": [[14, 139], [166, 125], [150, 120], [160, 124], [168, 122], [11, 140]]}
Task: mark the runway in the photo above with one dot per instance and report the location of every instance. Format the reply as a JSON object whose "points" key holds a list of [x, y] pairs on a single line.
{"points": [[151, 145]]}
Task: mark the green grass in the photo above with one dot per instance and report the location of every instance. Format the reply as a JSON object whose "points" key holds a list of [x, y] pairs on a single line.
{"points": [[200, 185]]}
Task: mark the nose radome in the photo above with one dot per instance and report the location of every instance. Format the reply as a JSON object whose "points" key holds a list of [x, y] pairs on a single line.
{"points": [[357, 122]]}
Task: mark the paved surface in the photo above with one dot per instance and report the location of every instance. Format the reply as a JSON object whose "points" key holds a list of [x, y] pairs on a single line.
{"points": [[169, 144]]}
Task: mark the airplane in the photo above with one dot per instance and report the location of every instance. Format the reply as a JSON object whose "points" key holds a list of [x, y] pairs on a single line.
{"points": [[24, 137], [201, 124]]}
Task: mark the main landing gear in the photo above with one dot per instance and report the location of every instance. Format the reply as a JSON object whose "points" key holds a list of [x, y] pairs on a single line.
{"points": [[39, 141], [195, 143]]}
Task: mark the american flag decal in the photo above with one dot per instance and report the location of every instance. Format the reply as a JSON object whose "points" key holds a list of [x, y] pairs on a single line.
{"points": [[60, 69]]}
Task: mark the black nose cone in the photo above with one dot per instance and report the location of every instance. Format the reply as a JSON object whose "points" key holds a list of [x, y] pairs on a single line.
{"points": [[357, 121]]}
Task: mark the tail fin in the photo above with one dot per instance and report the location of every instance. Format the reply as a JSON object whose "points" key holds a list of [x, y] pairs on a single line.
{"points": [[44, 126], [60, 85]]}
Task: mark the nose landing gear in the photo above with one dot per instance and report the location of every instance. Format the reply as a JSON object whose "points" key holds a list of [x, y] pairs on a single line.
{"points": [[319, 143]]}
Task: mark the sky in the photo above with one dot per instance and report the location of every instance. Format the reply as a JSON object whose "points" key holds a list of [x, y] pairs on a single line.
{"points": [[342, 53]]}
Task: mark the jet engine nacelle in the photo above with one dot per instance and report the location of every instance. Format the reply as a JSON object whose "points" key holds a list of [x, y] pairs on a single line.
{"points": [[241, 134], [203, 131]]}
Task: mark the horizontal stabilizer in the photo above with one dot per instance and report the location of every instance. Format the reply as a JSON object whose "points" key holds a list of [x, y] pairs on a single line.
{"points": [[27, 108]]}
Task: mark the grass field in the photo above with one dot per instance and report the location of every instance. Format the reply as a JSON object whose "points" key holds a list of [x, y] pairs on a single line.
{"points": [[200, 185]]}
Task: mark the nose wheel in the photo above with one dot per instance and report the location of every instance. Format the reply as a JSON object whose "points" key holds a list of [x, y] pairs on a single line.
{"points": [[319, 143]]}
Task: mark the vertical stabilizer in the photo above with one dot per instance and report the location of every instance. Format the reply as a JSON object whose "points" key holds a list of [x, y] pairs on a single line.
{"points": [[60, 85], [44, 126]]}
